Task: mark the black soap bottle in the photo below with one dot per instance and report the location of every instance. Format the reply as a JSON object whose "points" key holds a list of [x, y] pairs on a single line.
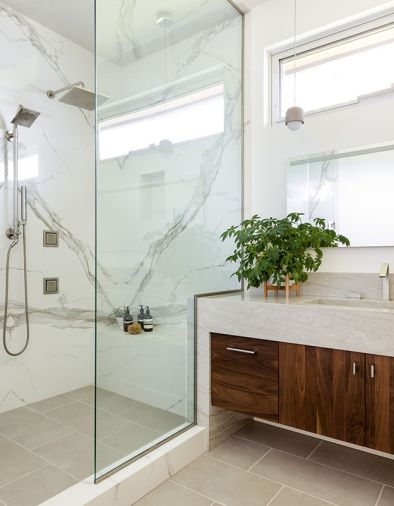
{"points": [[148, 321], [127, 319], [141, 316]]}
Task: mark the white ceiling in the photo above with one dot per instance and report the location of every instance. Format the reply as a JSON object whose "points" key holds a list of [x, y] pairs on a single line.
{"points": [[249, 4], [73, 19]]}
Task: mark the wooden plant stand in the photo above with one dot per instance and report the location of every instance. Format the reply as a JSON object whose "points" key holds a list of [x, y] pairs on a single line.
{"points": [[286, 288]]}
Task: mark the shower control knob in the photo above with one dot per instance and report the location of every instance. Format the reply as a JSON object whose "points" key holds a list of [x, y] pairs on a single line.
{"points": [[10, 233]]}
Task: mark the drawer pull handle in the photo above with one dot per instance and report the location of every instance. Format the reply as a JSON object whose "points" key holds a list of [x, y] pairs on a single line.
{"points": [[354, 368], [372, 371], [238, 350]]}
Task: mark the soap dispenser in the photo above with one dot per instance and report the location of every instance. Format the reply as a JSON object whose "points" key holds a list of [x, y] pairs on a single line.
{"points": [[127, 319], [148, 321], [141, 316]]}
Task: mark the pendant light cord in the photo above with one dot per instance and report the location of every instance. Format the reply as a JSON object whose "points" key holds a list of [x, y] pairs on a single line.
{"points": [[295, 51]]}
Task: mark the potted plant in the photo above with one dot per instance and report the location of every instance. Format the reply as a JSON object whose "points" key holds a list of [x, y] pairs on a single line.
{"points": [[280, 250], [117, 314]]}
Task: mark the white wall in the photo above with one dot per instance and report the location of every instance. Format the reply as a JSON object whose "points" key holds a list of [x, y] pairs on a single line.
{"points": [[269, 147]]}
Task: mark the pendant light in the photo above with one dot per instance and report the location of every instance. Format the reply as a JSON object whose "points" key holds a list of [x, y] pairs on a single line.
{"points": [[295, 115]]}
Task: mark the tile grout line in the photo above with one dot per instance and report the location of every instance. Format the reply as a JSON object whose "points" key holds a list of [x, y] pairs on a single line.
{"points": [[323, 465], [326, 501], [313, 451], [22, 476], [275, 496], [43, 458], [52, 440], [327, 467], [195, 491], [260, 459], [283, 485], [380, 496], [29, 406]]}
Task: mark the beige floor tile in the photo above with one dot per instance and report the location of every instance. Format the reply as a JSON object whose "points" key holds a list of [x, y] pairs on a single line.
{"points": [[226, 484], [239, 452], [74, 455], [108, 425], [317, 480], [387, 498], [113, 403], [50, 403], [356, 462], [16, 461], [80, 417], [84, 394], [152, 417], [30, 429], [171, 494], [289, 497], [36, 488], [131, 439], [281, 439], [15, 416], [77, 416]]}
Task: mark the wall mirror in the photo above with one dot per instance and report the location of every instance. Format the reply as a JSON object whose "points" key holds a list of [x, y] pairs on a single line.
{"points": [[351, 189]]}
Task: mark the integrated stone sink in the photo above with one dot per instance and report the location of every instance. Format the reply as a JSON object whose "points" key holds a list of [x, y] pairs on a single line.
{"points": [[358, 303]]}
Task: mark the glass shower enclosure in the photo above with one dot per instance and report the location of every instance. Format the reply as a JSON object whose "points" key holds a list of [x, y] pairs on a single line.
{"points": [[168, 182]]}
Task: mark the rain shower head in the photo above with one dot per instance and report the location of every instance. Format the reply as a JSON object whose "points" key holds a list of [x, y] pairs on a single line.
{"points": [[25, 117], [78, 97]]}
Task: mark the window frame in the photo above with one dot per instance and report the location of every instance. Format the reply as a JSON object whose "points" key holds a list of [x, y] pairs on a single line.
{"points": [[349, 31]]}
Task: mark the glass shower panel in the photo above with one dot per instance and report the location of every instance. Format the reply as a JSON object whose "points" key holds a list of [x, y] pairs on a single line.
{"points": [[169, 181]]}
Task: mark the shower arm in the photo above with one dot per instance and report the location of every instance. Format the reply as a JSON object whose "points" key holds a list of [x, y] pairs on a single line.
{"points": [[53, 93]]}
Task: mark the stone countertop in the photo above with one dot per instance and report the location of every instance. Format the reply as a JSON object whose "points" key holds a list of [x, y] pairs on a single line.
{"points": [[362, 329], [272, 299]]}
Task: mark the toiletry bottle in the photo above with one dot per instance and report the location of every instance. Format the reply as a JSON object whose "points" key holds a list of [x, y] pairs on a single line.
{"points": [[127, 319], [141, 316], [148, 320]]}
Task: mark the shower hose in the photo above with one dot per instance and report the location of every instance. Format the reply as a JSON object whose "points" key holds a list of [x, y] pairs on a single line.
{"points": [[7, 275]]}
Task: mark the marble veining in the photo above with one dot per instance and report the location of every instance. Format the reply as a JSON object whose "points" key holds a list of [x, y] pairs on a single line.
{"points": [[62, 140]]}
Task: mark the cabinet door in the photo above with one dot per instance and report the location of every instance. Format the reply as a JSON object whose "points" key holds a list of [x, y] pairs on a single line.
{"points": [[244, 375], [322, 391], [380, 403]]}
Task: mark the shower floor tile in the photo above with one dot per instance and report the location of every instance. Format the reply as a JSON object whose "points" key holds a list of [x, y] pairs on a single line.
{"points": [[36, 487], [47, 446], [73, 454]]}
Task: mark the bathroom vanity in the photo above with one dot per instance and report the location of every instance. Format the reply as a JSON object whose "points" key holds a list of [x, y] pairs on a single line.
{"points": [[325, 366]]}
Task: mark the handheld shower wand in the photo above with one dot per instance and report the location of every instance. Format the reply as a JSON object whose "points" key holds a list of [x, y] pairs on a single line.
{"points": [[24, 117]]}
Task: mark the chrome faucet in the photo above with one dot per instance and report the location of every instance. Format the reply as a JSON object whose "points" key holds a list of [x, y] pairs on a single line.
{"points": [[385, 276]]}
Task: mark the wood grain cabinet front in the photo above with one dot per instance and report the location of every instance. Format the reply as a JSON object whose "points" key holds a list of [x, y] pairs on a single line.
{"points": [[380, 403], [244, 375], [322, 391], [344, 395]]}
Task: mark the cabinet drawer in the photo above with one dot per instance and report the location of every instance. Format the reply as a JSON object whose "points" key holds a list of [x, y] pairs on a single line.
{"points": [[244, 375]]}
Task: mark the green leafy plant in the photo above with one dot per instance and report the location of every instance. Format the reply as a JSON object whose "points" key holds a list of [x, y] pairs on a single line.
{"points": [[271, 249]]}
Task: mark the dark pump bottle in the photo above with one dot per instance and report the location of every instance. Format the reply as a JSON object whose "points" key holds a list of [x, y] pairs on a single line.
{"points": [[127, 319], [141, 316], [148, 321]]}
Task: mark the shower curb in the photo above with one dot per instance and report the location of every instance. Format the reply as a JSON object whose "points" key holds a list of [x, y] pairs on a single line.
{"points": [[128, 485]]}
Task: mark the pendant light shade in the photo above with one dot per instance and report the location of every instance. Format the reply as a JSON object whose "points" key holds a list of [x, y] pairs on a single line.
{"points": [[294, 118]]}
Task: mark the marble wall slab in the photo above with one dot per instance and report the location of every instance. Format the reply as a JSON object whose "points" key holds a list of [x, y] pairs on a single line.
{"points": [[352, 285], [57, 166]]}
